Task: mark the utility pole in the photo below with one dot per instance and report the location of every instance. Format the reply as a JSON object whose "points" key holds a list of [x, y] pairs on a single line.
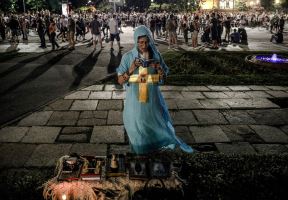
{"points": [[24, 6]]}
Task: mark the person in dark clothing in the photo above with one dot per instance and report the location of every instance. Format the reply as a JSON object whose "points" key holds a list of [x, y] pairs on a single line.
{"points": [[277, 37], [214, 31], [2, 29], [281, 23], [235, 36], [243, 36], [41, 31], [14, 26]]}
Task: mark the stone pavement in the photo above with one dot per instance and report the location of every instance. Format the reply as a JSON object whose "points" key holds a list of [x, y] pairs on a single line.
{"points": [[225, 119], [258, 40]]}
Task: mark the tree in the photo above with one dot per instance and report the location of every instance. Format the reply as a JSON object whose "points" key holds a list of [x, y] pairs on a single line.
{"points": [[36, 4], [284, 4], [138, 4], [242, 5], [267, 4], [5, 5]]}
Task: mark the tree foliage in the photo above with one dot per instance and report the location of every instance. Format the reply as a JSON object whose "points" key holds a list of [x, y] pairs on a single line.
{"points": [[267, 4], [36, 4]]}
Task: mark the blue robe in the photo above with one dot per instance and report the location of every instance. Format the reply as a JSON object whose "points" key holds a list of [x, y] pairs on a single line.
{"points": [[148, 125]]}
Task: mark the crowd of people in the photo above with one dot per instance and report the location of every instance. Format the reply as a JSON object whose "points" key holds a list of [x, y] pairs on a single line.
{"points": [[212, 28]]}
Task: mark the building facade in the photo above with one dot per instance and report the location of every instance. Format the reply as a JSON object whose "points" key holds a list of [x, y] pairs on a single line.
{"points": [[230, 4]]}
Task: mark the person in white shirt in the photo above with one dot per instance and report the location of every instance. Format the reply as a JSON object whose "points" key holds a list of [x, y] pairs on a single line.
{"points": [[114, 31]]}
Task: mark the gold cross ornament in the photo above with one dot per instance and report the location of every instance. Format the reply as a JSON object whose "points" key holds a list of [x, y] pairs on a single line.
{"points": [[143, 78]]}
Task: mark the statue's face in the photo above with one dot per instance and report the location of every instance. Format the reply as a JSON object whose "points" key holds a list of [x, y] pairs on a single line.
{"points": [[143, 43]]}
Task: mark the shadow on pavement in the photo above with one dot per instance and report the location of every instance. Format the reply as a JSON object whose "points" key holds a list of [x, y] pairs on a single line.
{"points": [[38, 71], [114, 61], [22, 63], [83, 68]]}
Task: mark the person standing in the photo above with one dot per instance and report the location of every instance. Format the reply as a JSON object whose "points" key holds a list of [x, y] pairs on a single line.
{"points": [[114, 31], [52, 32], [95, 27], [71, 32], [41, 31], [146, 116]]}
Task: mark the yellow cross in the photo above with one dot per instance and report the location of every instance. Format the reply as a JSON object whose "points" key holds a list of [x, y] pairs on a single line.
{"points": [[143, 78]]}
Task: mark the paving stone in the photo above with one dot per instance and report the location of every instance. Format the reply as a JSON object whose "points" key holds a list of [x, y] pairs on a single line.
{"points": [[94, 88], [195, 88], [213, 104], [110, 105], [41, 134], [258, 94], [113, 87], [267, 116], [184, 133], [209, 117], [258, 87], [115, 117], [231, 133], [101, 95], [250, 103], [68, 118], [78, 95], [75, 138], [171, 104], [12, 134], [172, 95], [183, 117], [236, 95], [218, 88], [241, 133], [92, 118], [171, 88], [108, 134], [84, 105], [91, 122], [118, 94], [282, 113], [193, 95], [89, 149], [61, 104], [278, 94], [235, 148], [36, 119], [270, 134], [215, 95], [238, 117], [189, 104], [46, 155], [239, 88], [208, 134], [270, 148], [120, 149], [76, 130], [284, 129], [15, 155], [94, 114], [277, 87]]}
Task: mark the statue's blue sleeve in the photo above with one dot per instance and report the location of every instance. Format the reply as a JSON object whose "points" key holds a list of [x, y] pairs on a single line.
{"points": [[124, 64]]}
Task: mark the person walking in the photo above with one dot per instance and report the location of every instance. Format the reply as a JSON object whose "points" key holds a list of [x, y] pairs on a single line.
{"points": [[95, 28], [52, 32], [41, 31], [114, 32], [71, 32]]}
